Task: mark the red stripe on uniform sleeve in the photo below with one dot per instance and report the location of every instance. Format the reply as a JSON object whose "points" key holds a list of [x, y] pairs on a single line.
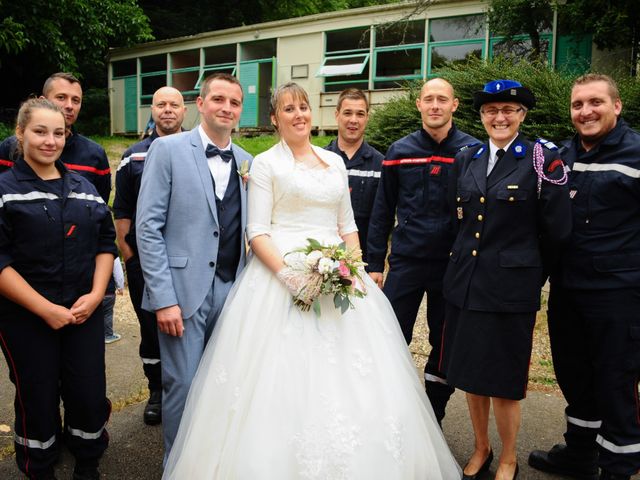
{"points": [[85, 168], [6, 163], [417, 161]]}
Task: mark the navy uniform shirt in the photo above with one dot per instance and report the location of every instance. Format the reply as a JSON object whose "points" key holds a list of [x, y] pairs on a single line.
{"points": [[413, 188], [128, 178], [51, 231], [604, 251], [80, 155], [507, 233], [364, 174], [363, 170]]}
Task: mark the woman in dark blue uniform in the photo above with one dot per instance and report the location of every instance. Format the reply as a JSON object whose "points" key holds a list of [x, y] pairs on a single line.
{"points": [[513, 210], [56, 256]]}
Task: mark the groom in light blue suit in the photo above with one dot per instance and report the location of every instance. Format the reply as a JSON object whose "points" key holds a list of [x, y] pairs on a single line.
{"points": [[190, 224]]}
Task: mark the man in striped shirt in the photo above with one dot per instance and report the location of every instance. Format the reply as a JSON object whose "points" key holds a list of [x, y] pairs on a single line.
{"points": [[363, 162], [594, 302]]}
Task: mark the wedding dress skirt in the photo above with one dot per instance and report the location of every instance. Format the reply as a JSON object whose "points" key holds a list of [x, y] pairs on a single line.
{"points": [[281, 394]]}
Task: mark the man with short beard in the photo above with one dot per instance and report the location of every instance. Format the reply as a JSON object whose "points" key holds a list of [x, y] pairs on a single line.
{"points": [[594, 300], [413, 187], [167, 111]]}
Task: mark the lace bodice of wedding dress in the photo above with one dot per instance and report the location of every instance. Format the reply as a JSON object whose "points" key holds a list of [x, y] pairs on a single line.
{"points": [[292, 202]]}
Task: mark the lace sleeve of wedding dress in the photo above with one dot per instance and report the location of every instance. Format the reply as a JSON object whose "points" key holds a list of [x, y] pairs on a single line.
{"points": [[346, 221], [260, 198]]}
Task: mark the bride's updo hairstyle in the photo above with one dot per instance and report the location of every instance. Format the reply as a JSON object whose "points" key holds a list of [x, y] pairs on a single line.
{"points": [[297, 93]]}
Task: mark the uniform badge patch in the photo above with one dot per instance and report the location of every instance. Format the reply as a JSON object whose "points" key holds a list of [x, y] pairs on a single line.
{"points": [[555, 164], [435, 170], [572, 193], [70, 230]]}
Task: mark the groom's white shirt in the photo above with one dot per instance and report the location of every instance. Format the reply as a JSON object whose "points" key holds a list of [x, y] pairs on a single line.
{"points": [[219, 168]]}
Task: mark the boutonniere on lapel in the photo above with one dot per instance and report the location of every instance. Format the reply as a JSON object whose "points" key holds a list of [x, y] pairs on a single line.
{"points": [[243, 171]]}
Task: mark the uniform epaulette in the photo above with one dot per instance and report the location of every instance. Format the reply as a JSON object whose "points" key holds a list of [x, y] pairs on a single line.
{"points": [[469, 145], [547, 144]]}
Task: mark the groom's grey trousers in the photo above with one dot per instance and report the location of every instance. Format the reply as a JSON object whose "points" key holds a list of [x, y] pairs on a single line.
{"points": [[181, 356]]}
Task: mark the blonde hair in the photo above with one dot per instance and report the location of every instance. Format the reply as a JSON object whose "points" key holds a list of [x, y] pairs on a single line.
{"points": [[614, 93], [291, 88], [26, 112]]}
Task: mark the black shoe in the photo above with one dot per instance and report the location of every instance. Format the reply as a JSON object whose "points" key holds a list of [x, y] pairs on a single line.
{"points": [[483, 468], [153, 409], [573, 463], [86, 473], [604, 475]]}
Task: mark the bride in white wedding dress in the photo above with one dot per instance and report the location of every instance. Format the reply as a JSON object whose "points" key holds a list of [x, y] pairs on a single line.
{"points": [[281, 394]]}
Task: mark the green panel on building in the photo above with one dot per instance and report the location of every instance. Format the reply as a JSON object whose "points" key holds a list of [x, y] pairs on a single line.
{"points": [[573, 53], [131, 104], [250, 80]]}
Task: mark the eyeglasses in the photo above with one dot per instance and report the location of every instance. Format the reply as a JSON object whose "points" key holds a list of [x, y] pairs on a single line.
{"points": [[506, 111]]}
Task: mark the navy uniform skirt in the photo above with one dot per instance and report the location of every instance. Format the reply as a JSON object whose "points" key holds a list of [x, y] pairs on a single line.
{"points": [[488, 353]]}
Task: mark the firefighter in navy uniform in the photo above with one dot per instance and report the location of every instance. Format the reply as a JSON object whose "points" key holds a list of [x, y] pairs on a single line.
{"points": [[363, 162], [80, 154], [594, 304], [513, 214], [167, 111], [413, 187], [56, 255]]}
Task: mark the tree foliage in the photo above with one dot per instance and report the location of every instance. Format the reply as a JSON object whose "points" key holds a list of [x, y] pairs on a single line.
{"points": [[611, 24], [172, 19], [516, 17], [39, 37]]}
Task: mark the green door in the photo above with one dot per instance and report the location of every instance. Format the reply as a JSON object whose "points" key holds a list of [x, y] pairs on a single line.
{"points": [[250, 80], [131, 104], [573, 53]]}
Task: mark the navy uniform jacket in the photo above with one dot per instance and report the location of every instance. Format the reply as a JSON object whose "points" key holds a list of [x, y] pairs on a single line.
{"points": [[364, 174], [51, 235], [505, 232], [604, 251], [128, 178], [413, 187], [80, 154]]}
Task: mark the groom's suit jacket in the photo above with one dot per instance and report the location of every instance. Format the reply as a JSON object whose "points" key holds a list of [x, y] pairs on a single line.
{"points": [[177, 223]]}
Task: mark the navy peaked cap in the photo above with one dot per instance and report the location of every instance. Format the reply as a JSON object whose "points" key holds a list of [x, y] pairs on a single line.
{"points": [[504, 91]]}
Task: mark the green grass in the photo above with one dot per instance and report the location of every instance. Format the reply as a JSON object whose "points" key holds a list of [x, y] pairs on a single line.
{"points": [[114, 146], [256, 145]]}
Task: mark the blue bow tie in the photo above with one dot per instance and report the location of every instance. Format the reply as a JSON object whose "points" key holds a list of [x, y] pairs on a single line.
{"points": [[212, 151]]}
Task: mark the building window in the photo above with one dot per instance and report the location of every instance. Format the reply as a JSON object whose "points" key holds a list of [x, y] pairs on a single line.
{"points": [[455, 40], [153, 75], [346, 59], [218, 59], [211, 69], [124, 68], [185, 71], [398, 54], [519, 47]]}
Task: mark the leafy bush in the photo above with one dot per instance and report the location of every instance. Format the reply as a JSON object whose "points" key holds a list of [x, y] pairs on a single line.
{"points": [[550, 119], [94, 116], [6, 130]]}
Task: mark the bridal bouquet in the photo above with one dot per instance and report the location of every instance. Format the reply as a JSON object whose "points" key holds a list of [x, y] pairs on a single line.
{"points": [[317, 270]]}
